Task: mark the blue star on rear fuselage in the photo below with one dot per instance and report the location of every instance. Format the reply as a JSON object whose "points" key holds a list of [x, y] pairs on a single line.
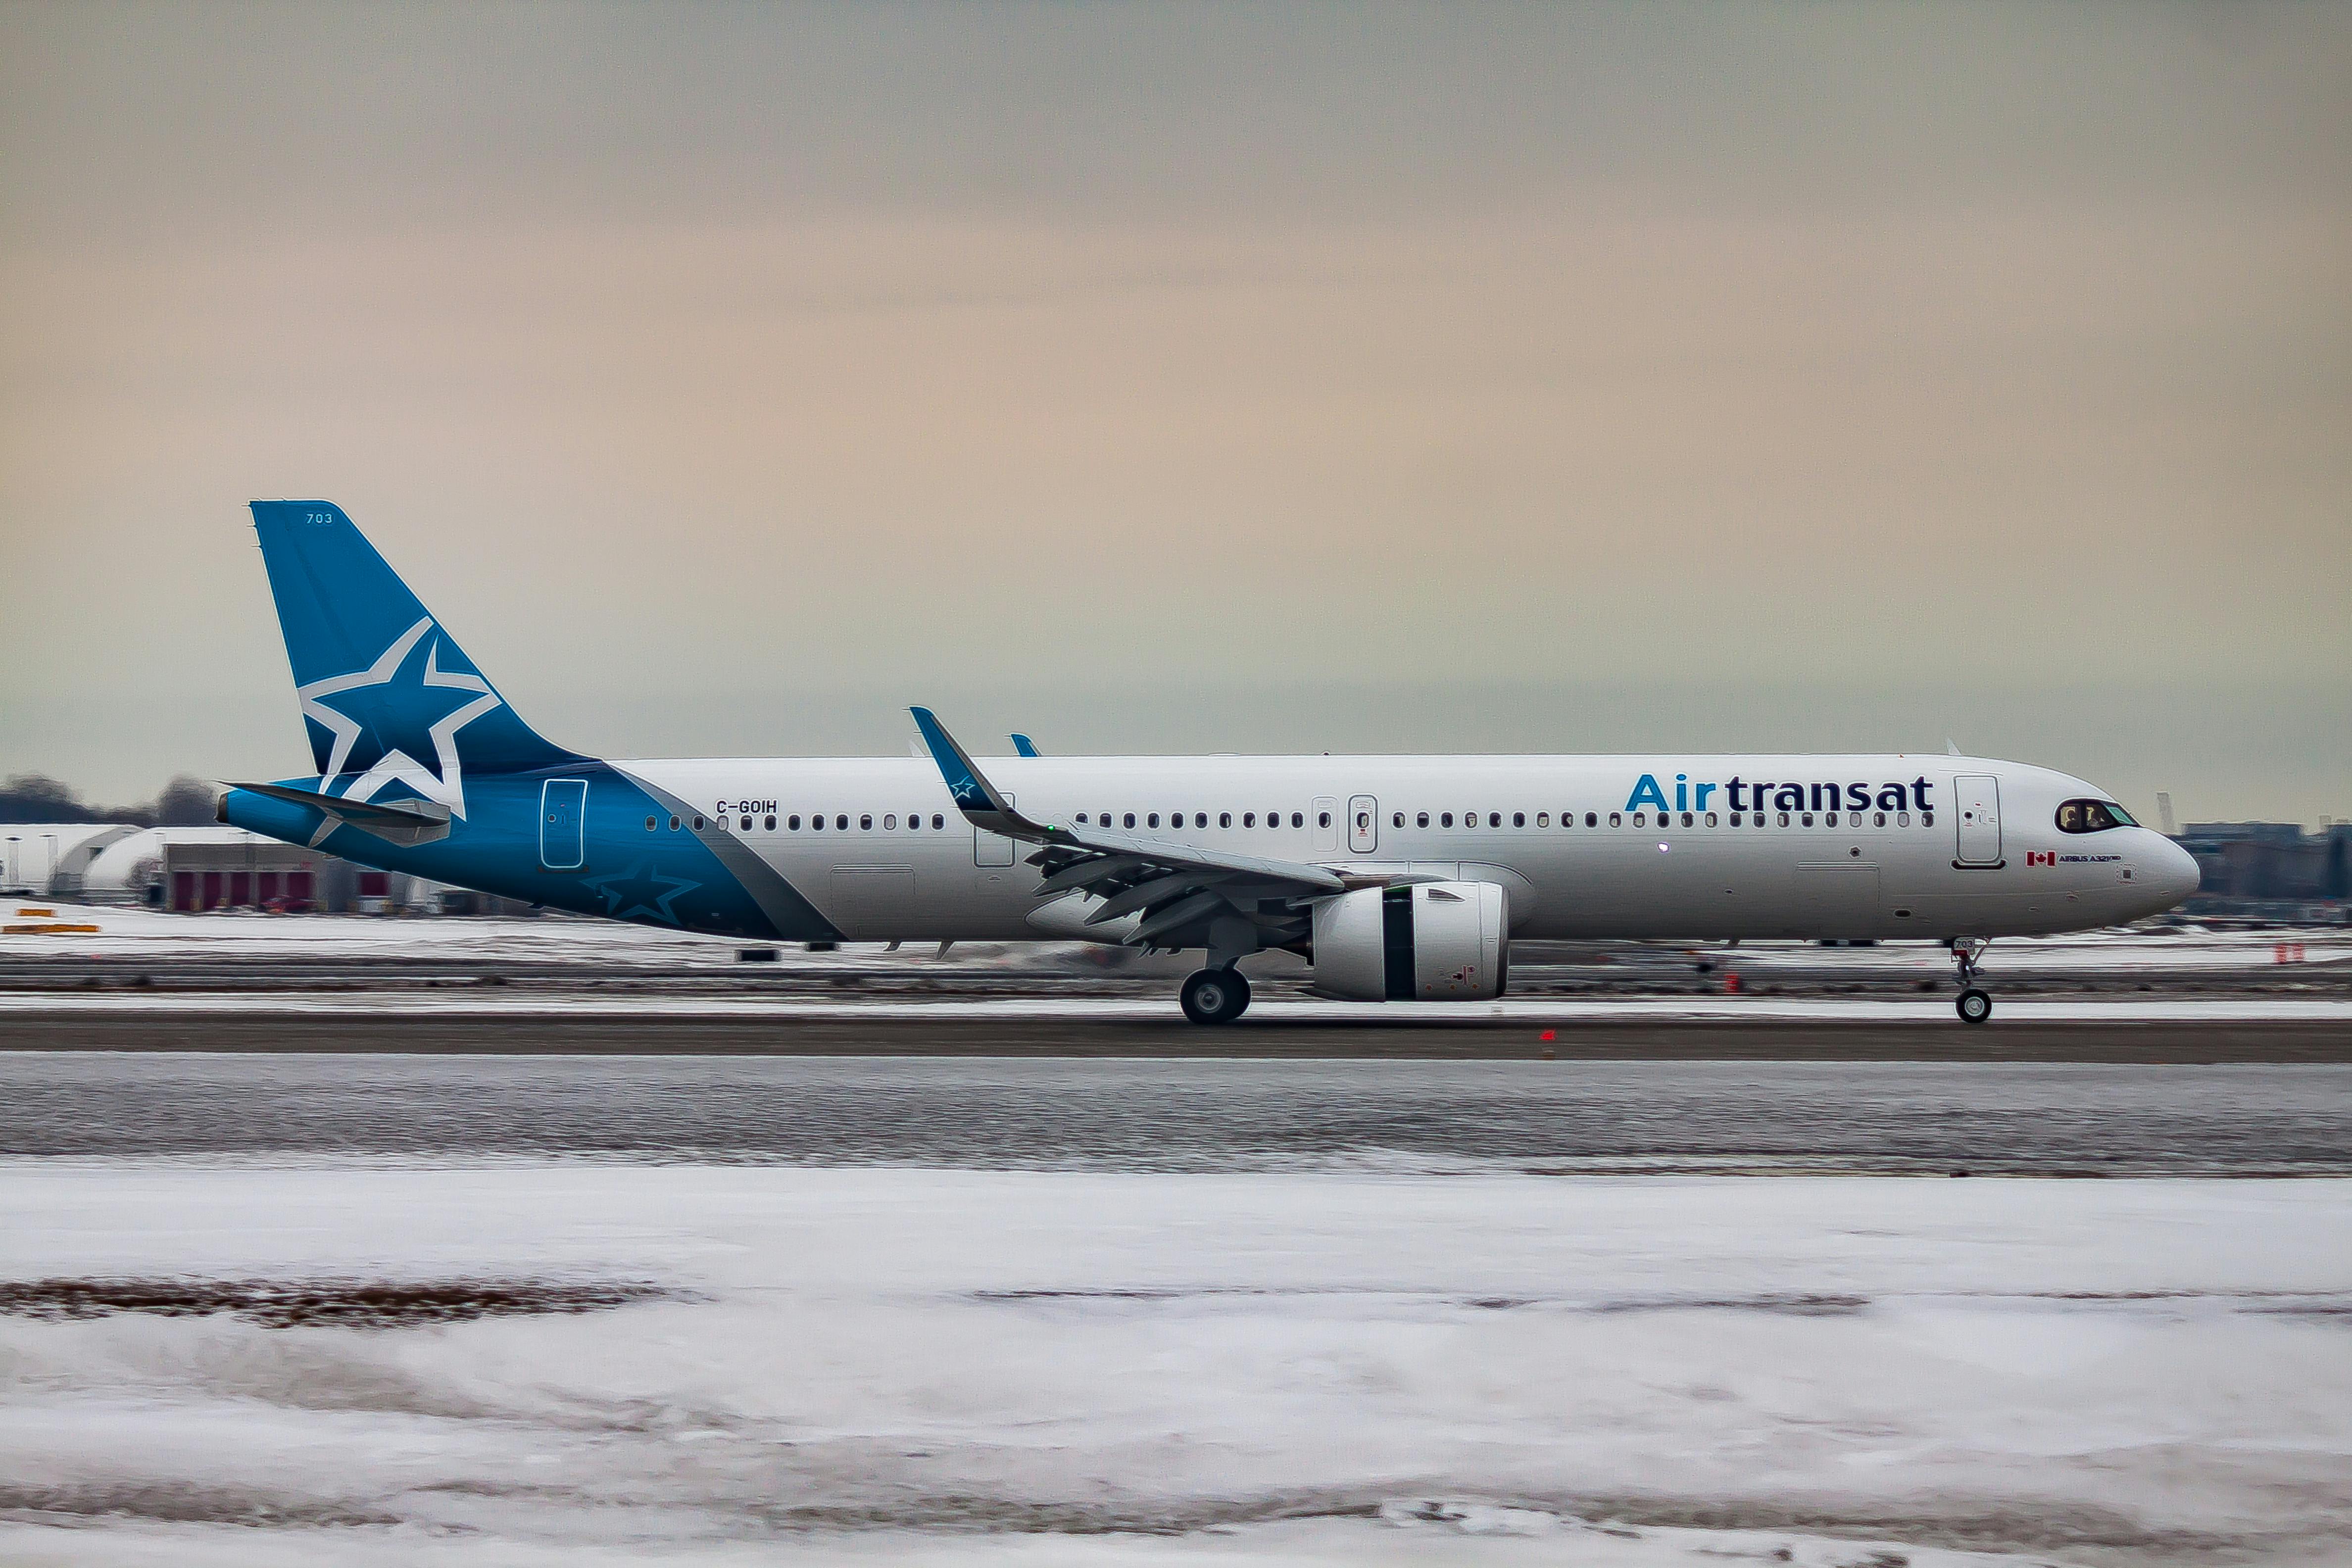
{"points": [[641, 893]]}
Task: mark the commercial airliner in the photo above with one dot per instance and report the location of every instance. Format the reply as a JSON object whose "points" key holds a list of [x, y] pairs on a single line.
{"points": [[1396, 876]]}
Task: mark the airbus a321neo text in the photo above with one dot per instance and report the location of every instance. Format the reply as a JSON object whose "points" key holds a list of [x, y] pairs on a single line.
{"points": [[1396, 876]]}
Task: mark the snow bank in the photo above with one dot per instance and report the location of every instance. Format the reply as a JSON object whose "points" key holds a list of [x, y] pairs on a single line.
{"points": [[929, 1366]]}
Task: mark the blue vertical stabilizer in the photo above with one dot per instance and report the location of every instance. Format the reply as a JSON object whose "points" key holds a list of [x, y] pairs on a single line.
{"points": [[390, 699]]}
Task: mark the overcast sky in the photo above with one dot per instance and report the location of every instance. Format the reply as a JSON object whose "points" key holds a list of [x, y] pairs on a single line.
{"points": [[1200, 378]]}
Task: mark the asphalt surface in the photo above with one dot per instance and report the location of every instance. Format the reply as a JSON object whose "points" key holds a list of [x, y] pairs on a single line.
{"points": [[1464, 1040], [1563, 1118]]}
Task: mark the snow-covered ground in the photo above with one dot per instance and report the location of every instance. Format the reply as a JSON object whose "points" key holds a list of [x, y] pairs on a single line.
{"points": [[921, 1366]]}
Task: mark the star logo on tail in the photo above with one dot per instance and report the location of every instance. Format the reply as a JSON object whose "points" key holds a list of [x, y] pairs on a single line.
{"points": [[385, 721]]}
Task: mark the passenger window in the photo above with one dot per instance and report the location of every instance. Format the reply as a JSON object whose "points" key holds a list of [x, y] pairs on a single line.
{"points": [[771, 825], [793, 824], [1322, 819], [1710, 819], [1641, 818], [1591, 819], [1617, 821], [938, 821], [673, 824], [1082, 819], [1131, 819], [1543, 819], [1494, 819], [1200, 820], [1882, 820], [1249, 819], [1687, 819], [1518, 820], [1902, 820], [1397, 820], [698, 824], [747, 824], [841, 821], [890, 822], [1809, 819], [1224, 819], [1444, 819], [1298, 819], [1784, 819], [650, 821], [1926, 819], [1153, 819], [1735, 819], [816, 825], [1420, 819]]}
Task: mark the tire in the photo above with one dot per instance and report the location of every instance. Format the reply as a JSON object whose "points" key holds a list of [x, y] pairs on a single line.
{"points": [[1973, 1006], [1214, 995]]}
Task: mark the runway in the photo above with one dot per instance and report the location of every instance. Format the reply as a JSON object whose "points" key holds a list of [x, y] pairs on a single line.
{"points": [[1516, 1117], [1820, 1031]]}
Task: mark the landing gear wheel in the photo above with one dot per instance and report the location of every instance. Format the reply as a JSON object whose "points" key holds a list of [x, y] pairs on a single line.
{"points": [[1973, 1006], [1215, 996]]}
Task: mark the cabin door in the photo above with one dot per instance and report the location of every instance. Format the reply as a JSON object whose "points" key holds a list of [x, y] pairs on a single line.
{"points": [[1977, 818], [563, 811]]}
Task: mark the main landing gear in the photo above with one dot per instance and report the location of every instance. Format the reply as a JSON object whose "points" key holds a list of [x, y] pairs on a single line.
{"points": [[1215, 996], [1972, 1004]]}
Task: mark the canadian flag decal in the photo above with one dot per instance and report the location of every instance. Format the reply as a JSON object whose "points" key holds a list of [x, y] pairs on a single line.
{"points": [[2042, 857]]}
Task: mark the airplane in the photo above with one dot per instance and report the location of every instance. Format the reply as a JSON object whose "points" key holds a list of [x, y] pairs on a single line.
{"points": [[1396, 877]]}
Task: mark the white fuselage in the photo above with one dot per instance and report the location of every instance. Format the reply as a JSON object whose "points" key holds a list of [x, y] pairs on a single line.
{"points": [[1581, 844]]}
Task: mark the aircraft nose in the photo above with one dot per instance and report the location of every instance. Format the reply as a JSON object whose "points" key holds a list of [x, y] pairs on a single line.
{"points": [[2173, 872]]}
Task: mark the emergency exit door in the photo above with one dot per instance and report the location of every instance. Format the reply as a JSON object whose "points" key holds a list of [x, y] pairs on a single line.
{"points": [[1363, 825], [992, 849], [563, 809], [1977, 818]]}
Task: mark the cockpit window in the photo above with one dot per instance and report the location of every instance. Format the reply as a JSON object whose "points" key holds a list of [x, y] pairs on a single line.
{"points": [[2092, 817]]}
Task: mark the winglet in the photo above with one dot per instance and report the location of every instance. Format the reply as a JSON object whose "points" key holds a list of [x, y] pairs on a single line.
{"points": [[1024, 745], [977, 799]]}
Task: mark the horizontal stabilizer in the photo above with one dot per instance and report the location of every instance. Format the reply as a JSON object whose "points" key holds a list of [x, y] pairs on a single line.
{"points": [[402, 822]]}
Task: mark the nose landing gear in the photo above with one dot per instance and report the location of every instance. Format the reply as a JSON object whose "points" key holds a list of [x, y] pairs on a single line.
{"points": [[1972, 1004], [1215, 996]]}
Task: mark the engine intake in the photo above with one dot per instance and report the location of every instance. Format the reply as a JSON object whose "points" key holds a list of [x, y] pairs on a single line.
{"points": [[1429, 942]]}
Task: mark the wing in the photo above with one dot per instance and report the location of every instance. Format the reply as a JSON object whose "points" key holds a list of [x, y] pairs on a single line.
{"points": [[1178, 891], [1024, 745]]}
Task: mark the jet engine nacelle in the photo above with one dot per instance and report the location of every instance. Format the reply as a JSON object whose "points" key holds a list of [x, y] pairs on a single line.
{"points": [[1429, 942]]}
